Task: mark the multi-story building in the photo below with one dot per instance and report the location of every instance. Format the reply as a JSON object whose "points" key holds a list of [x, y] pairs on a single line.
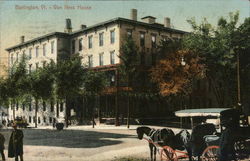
{"points": [[99, 45]]}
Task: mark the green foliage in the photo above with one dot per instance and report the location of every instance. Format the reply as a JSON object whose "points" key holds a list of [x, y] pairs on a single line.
{"points": [[218, 47], [130, 59], [17, 81], [94, 82], [42, 82], [69, 76]]}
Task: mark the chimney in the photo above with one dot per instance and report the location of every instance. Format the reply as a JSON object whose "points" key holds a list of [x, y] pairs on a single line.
{"points": [[133, 14], [83, 26], [21, 39], [149, 19], [68, 27], [167, 22]]}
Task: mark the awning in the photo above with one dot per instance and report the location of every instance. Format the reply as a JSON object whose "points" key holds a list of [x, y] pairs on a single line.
{"points": [[200, 112]]}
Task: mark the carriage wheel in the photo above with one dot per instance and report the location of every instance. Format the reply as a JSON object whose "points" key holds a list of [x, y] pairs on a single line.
{"points": [[168, 154], [210, 153], [241, 149]]}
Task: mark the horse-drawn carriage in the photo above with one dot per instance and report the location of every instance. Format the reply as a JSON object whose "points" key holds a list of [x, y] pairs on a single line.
{"points": [[204, 143]]}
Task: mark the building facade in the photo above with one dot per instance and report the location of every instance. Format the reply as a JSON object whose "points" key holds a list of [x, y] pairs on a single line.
{"points": [[99, 45]]}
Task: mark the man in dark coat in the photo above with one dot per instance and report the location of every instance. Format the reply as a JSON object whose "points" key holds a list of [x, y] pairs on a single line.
{"points": [[2, 140], [229, 120], [16, 144]]}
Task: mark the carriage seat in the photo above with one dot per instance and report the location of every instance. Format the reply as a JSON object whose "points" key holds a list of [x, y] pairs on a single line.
{"points": [[211, 140]]}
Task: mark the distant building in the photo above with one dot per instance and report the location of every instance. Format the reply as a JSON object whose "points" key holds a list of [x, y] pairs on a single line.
{"points": [[98, 44]]}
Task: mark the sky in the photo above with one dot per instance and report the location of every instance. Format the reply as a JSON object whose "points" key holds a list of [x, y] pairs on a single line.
{"points": [[33, 18]]}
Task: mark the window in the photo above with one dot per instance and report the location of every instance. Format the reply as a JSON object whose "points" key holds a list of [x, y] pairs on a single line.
{"points": [[17, 57], [73, 46], [61, 107], [51, 106], [90, 61], [37, 51], [101, 39], [44, 119], [44, 64], [30, 119], [34, 119], [11, 58], [44, 49], [153, 59], [112, 57], [44, 106], [52, 46], [142, 59], [50, 119], [30, 53], [17, 106], [90, 42], [112, 37], [30, 107], [37, 65], [23, 56], [23, 104], [153, 41], [142, 39], [164, 38], [30, 67], [39, 120], [129, 33], [101, 59], [80, 44]]}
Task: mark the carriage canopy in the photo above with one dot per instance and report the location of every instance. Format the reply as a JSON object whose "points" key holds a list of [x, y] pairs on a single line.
{"points": [[201, 112]]}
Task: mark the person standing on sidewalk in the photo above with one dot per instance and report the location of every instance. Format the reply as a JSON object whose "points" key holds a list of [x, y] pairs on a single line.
{"points": [[16, 144], [2, 140]]}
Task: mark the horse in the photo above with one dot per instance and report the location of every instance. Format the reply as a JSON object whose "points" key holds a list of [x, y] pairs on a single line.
{"points": [[162, 137]]}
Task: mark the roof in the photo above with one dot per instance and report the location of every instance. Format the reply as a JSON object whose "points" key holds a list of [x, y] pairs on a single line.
{"points": [[200, 112], [62, 34], [115, 20], [124, 20], [148, 17]]}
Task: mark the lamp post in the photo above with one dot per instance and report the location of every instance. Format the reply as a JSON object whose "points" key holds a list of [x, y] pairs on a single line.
{"points": [[116, 99], [183, 63]]}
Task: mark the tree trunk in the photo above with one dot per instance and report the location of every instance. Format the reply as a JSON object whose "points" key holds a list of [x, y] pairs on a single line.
{"points": [[93, 115], [36, 111], [99, 109], [128, 114], [67, 109]]}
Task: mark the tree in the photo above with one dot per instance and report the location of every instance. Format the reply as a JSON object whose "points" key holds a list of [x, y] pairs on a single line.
{"points": [[41, 85], [94, 84], [16, 84], [69, 78], [219, 47], [172, 74], [128, 68]]}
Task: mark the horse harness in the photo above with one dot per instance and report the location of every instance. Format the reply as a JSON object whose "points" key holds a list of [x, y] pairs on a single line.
{"points": [[155, 135]]}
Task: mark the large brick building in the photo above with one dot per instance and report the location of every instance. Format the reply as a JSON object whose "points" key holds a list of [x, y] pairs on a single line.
{"points": [[99, 45]]}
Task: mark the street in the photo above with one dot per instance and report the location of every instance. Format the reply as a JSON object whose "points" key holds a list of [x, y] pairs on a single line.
{"points": [[80, 143]]}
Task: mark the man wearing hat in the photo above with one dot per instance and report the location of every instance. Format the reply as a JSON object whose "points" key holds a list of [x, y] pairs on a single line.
{"points": [[2, 140], [16, 144], [229, 120]]}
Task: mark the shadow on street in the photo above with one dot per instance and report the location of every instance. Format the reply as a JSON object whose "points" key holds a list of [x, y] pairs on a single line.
{"points": [[67, 138]]}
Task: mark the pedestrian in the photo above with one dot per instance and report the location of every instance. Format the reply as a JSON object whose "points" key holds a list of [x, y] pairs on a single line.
{"points": [[2, 140], [16, 144]]}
